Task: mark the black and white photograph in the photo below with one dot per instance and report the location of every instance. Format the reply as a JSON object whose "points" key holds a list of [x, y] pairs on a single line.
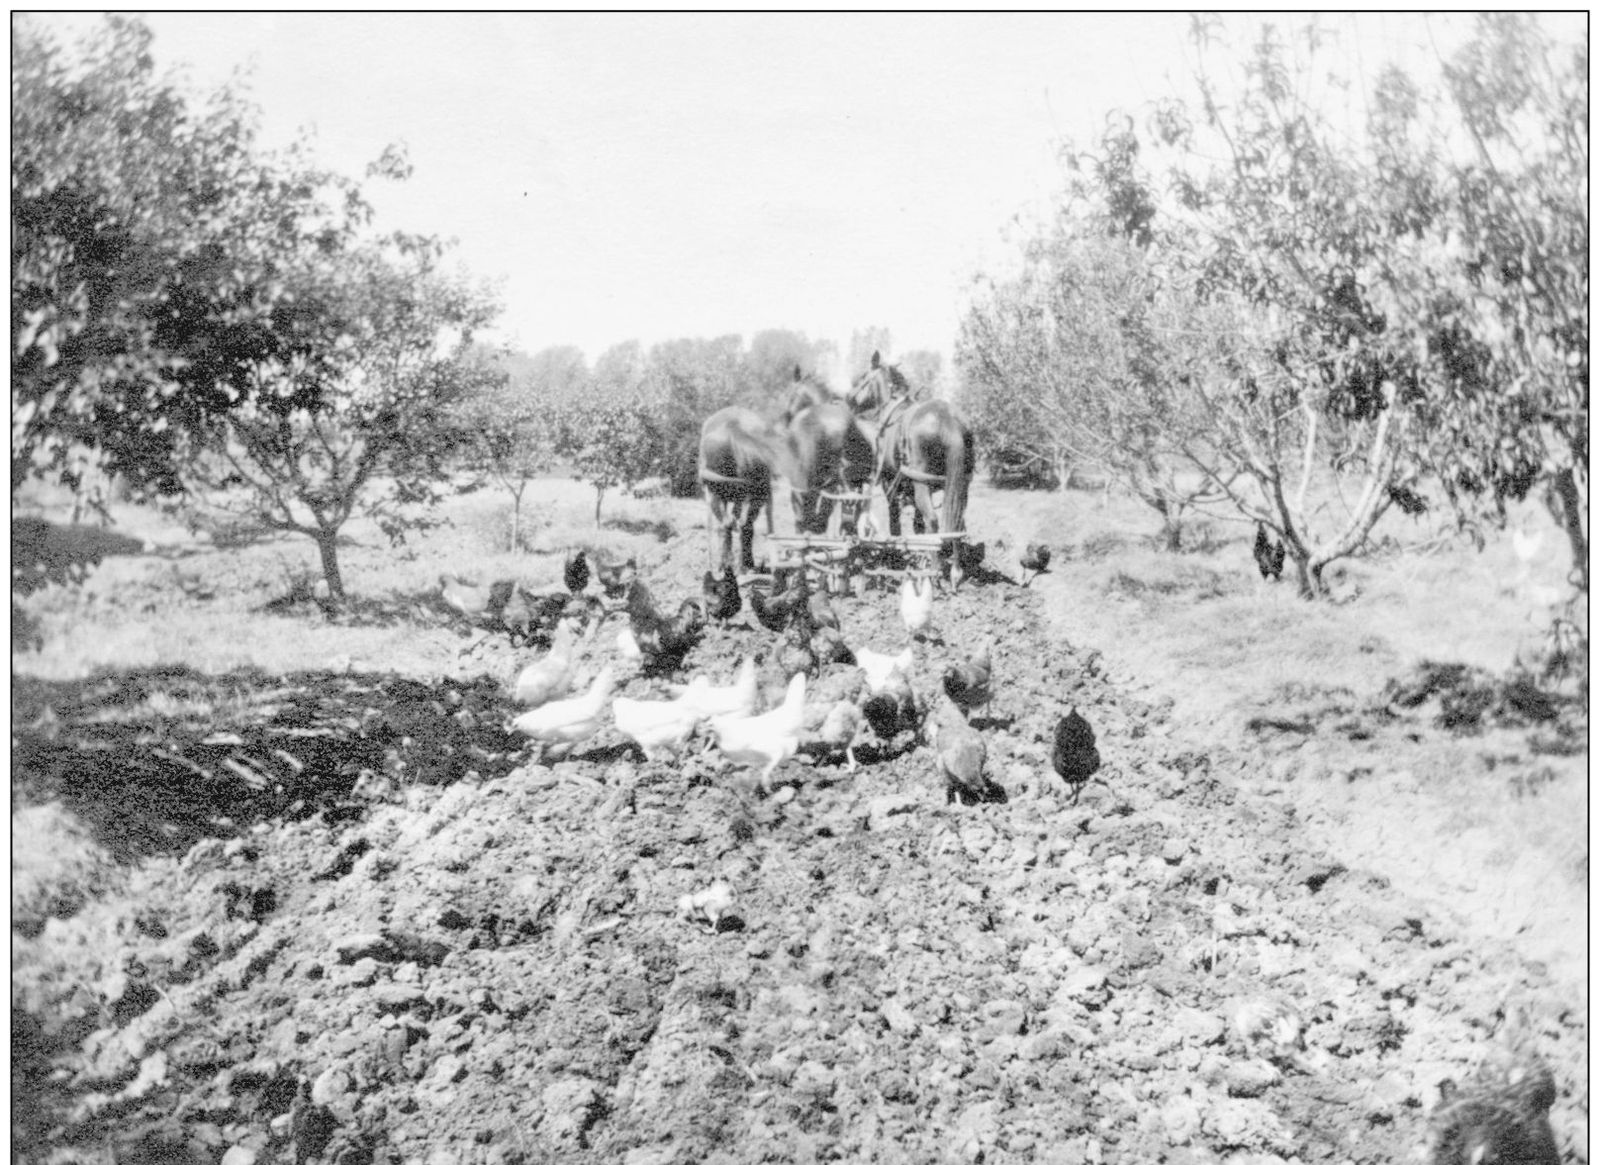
{"points": [[717, 588]]}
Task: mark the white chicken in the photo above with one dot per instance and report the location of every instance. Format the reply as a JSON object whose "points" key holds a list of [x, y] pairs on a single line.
{"points": [[737, 699], [712, 904], [562, 724], [547, 678], [628, 646], [879, 666], [917, 604], [766, 740], [657, 726]]}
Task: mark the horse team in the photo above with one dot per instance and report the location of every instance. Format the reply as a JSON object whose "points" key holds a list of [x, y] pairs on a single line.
{"points": [[831, 450]]}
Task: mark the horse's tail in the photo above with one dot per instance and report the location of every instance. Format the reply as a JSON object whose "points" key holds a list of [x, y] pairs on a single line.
{"points": [[753, 459], [959, 463]]}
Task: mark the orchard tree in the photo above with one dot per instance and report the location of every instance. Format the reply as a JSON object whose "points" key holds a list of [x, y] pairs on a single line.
{"points": [[507, 435], [774, 356], [558, 374], [380, 433], [1013, 386], [1083, 360], [1313, 406], [1420, 299], [686, 381], [864, 342], [150, 238], [611, 444], [1487, 278], [925, 369], [620, 372]]}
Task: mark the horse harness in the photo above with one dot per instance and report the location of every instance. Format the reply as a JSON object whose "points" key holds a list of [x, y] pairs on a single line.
{"points": [[903, 471], [712, 477]]}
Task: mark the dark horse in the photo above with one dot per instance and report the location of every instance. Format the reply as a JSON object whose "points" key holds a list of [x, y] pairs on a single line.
{"points": [[805, 391], [922, 446], [829, 453], [736, 467]]}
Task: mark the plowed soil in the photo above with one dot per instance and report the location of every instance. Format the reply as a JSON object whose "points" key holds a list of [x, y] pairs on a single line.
{"points": [[458, 954]]}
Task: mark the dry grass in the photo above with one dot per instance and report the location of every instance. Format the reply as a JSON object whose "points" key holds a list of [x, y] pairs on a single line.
{"points": [[1485, 823]]}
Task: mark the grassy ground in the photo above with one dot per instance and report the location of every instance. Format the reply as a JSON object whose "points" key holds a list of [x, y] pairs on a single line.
{"points": [[1497, 829], [1490, 822]]}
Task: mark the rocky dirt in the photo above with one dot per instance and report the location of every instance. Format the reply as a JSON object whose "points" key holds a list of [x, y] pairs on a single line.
{"points": [[423, 946]]}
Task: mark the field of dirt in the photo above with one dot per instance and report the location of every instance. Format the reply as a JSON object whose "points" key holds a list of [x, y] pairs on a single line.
{"points": [[363, 924]]}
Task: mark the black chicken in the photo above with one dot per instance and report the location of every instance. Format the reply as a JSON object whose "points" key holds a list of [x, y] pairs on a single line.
{"points": [[892, 708], [1269, 554], [1036, 557], [821, 612], [663, 642], [1074, 755], [722, 594], [575, 573], [794, 652], [777, 609], [615, 579], [828, 645], [968, 683], [1502, 1116], [545, 610]]}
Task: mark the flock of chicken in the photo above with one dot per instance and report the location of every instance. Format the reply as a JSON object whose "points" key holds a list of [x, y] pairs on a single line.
{"points": [[835, 697]]}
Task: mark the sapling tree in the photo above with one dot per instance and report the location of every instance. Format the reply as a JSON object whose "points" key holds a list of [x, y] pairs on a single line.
{"points": [[379, 437]]}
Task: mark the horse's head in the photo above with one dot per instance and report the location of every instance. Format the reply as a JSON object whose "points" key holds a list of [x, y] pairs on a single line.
{"points": [[804, 391], [877, 387]]}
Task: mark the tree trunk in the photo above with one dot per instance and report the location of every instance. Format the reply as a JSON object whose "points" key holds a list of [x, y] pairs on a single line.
{"points": [[1572, 517], [1310, 576], [600, 492], [516, 518], [328, 549]]}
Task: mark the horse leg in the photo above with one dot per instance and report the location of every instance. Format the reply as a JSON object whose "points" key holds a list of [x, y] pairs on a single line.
{"points": [[747, 534], [923, 519], [714, 521]]}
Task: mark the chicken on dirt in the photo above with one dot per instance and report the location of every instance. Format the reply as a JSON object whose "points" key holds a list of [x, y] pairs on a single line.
{"points": [[575, 572], [960, 752], [549, 677], [968, 684], [659, 727], [1073, 754], [735, 699], [1036, 557], [917, 605], [764, 742], [834, 717], [723, 601], [564, 723]]}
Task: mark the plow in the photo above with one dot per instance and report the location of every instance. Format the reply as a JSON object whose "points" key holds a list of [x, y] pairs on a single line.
{"points": [[858, 558]]}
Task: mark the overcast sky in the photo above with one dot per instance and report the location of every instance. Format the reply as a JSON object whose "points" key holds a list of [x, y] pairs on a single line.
{"points": [[650, 177]]}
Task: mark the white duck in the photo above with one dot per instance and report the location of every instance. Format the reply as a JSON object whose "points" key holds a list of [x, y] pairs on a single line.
{"points": [[766, 740], [562, 724]]}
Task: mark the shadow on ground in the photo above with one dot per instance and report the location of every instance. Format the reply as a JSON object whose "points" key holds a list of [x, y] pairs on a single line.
{"points": [[152, 761]]}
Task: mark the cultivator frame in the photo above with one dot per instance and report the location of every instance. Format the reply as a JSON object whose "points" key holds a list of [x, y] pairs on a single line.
{"points": [[849, 563]]}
